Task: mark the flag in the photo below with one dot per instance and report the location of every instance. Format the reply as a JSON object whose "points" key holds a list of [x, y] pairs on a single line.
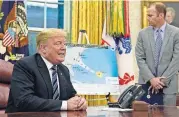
{"points": [[119, 30], [8, 38], [13, 31], [106, 38], [124, 48], [116, 34]]}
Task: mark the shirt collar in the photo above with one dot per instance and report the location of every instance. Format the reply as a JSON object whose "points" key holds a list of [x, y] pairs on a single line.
{"points": [[48, 64], [162, 28]]}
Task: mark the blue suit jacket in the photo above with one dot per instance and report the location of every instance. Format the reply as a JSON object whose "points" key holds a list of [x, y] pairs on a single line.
{"points": [[31, 88]]}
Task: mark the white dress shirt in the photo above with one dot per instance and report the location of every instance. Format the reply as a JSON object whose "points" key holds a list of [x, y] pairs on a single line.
{"points": [[49, 66]]}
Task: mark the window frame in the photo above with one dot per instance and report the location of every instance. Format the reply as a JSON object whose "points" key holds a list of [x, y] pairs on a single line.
{"points": [[37, 29]]}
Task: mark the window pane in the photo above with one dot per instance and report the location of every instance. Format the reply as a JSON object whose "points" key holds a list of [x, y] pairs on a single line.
{"points": [[52, 15], [35, 14], [60, 15], [32, 42], [60, 1]]}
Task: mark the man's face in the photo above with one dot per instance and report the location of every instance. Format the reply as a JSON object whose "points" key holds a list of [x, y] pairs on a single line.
{"points": [[169, 17], [55, 49], [152, 16]]}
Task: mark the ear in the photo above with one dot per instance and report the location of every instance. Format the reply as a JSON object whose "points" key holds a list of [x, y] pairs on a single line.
{"points": [[161, 15], [43, 48]]}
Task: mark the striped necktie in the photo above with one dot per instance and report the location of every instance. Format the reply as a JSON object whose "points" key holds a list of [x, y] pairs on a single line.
{"points": [[56, 94], [158, 45]]}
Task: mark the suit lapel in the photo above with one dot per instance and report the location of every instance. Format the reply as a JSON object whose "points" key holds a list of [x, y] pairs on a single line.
{"points": [[45, 74], [152, 40], [62, 82], [165, 40]]}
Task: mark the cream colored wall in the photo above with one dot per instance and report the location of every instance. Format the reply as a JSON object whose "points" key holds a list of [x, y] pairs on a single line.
{"points": [[135, 27]]}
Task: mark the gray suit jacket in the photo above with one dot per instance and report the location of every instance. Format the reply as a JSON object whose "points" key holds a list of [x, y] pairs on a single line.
{"points": [[169, 57]]}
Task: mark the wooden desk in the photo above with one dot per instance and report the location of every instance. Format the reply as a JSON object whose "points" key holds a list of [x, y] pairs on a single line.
{"points": [[155, 111], [177, 104]]}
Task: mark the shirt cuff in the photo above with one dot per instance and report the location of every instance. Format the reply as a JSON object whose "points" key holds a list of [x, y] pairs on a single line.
{"points": [[64, 105]]}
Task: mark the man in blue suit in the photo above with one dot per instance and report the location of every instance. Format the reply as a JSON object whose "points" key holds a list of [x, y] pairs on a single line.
{"points": [[41, 82]]}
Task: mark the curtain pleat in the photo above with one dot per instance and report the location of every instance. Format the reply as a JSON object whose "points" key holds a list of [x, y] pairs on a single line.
{"points": [[88, 15]]}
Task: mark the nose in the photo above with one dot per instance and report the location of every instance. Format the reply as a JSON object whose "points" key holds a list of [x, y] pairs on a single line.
{"points": [[63, 47], [148, 18]]}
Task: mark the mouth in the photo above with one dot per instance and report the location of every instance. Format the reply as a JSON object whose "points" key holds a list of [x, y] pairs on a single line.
{"points": [[61, 54]]}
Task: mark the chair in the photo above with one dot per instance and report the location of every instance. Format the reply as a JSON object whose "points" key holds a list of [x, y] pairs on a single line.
{"points": [[6, 69]]}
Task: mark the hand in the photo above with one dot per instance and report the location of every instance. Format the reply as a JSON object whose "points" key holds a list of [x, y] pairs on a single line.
{"points": [[164, 80], [156, 83], [72, 103], [82, 105], [153, 90]]}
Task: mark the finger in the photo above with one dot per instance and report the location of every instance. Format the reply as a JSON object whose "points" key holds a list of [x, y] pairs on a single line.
{"points": [[161, 83], [160, 86], [75, 107], [162, 77], [74, 103], [153, 90], [156, 91], [77, 99], [155, 85], [83, 106], [150, 88], [82, 101]]}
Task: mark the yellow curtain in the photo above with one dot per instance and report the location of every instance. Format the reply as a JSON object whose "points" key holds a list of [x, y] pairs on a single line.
{"points": [[144, 13], [88, 15], [115, 16]]}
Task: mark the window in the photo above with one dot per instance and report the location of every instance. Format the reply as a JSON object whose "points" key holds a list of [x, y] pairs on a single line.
{"points": [[42, 14]]}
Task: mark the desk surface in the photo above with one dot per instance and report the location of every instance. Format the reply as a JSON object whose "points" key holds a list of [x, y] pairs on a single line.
{"points": [[155, 111]]}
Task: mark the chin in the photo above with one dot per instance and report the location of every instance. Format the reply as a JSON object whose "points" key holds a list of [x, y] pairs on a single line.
{"points": [[61, 60]]}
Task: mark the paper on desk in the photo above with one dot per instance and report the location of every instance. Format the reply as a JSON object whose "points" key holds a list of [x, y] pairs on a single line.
{"points": [[116, 109]]}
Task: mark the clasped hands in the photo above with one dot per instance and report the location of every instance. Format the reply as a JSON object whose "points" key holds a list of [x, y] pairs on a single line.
{"points": [[157, 83], [76, 103]]}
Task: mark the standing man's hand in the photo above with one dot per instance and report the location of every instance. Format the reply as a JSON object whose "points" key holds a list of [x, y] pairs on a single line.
{"points": [[164, 80], [156, 83], [153, 90]]}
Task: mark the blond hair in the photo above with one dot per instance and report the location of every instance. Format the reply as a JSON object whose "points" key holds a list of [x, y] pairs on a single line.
{"points": [[46, 34]]}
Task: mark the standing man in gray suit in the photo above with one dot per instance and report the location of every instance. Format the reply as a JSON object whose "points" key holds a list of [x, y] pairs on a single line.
{"points": [[157, 54]]}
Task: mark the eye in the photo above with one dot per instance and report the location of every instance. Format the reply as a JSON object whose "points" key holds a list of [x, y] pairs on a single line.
{"points": [[150, 15], [58, 43]]}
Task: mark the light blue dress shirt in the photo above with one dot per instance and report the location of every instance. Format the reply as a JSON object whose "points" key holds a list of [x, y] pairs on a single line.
{"points": [[162, 28]]}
